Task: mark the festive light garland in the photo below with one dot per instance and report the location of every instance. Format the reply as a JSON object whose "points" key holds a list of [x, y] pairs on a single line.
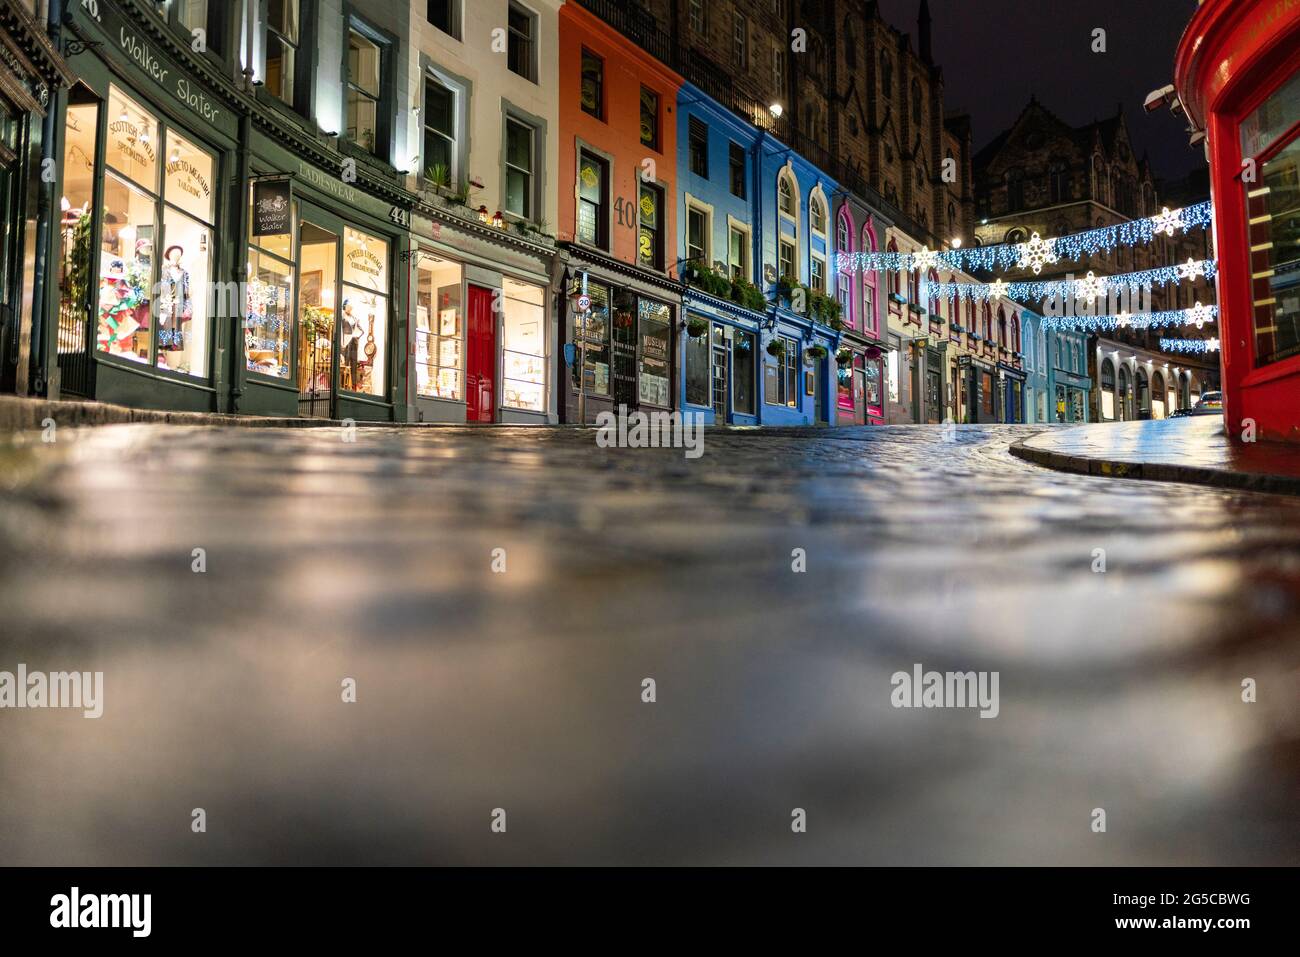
{"points": [[1190, 346], [1089, 288], [1037, 252], [1197, 317]]}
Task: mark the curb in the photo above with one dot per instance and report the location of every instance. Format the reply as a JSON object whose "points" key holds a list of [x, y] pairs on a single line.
{"points": [[1157, 472]]}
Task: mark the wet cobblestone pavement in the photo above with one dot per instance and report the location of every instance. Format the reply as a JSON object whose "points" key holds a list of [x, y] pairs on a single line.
{"points": [[522, 689]]}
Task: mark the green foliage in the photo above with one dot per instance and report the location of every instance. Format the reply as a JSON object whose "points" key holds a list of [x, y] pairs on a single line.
{"points": [[439, 175], [776, 348], [696, 327]]}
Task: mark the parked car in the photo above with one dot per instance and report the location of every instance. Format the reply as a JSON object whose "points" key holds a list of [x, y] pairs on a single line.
{"points": [[1210, 402]]}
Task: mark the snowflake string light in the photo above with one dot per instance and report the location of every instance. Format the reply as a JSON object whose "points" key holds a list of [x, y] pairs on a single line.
{"points": [[1199, 315], [1191, 270], [1091, 287], [925, 259], [1167, 221], [1122, 319], [1036, 253], [1211, 345]]}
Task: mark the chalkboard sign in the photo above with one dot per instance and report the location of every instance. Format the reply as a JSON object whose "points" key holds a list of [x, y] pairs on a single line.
{"points": [[271, 207]]}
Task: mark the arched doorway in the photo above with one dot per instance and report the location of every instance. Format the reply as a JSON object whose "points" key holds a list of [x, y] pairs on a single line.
{"points": [[1108, 410], [1125, 404], [1143, 394], [1158, 396]]}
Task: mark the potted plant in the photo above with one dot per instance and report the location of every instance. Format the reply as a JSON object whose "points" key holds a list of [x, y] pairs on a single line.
{"points": [[696, 327], [438, 176]]}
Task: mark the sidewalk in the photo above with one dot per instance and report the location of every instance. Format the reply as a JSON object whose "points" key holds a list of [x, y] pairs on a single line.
{"points": [[1193, 449], [18, 414]]}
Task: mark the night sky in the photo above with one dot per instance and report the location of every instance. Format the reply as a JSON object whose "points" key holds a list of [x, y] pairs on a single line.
{"points": [[995, 53]]}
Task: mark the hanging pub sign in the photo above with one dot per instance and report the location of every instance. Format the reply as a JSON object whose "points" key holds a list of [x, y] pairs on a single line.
{"points": [[271, 207]]}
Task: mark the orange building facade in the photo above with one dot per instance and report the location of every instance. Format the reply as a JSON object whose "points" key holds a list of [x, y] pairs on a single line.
{"points": [[616, 222]]}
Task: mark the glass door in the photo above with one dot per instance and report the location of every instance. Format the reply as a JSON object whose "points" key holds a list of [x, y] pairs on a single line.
{"points": [[721, 388], [317, 295]]}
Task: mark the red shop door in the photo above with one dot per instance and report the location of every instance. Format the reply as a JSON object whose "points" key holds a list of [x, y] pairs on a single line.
{"points": [[481, 358]]}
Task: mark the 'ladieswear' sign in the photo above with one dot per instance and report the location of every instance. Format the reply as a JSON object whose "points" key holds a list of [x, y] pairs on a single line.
{"points": [[271, 207]]}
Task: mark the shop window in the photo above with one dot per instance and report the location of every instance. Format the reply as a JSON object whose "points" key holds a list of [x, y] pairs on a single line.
{"points": [[156, 244], [593, 221], [736, 165], [365, 70], [445, 15], [738, 253], [523, 346], [649, 119], [363, 321], [520, 166], [282, 39], [593, 84], [781, 375], [653, 330], [697, 236], [742, 372], [649, 247], [698, 369], [77, 271], [521, 42], [1273, 214], [439, 330], [439, 134], [591, 336], [698, 147]]}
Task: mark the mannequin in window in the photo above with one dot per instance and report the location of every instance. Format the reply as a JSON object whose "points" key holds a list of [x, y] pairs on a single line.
{"points": [[353, 330], [175, 307]]}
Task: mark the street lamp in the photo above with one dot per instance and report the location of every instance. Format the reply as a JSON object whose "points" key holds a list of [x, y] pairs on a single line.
{"points": [[776, 109], [955, 243]]}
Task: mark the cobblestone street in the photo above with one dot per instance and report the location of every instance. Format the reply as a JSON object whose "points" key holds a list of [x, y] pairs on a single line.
{"points": [[521, 689]]}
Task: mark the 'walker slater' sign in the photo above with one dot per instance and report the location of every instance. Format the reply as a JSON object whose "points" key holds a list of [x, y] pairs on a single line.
{"points": [[271, 207]]}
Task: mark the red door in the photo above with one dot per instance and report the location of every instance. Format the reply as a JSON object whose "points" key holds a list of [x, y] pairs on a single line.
{"points": [[481, 356]]}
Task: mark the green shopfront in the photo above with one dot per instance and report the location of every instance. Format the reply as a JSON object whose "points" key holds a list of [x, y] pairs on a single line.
{"points": [[168, 295]]}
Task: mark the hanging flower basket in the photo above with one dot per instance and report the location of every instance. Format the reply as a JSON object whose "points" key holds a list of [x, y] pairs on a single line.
{"points": [[695, 328], [816, 353], [776, 348], [844, 356]]}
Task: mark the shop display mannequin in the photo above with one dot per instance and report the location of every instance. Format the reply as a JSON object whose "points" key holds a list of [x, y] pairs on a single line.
{"points": [[175, 307], [353, 331]]}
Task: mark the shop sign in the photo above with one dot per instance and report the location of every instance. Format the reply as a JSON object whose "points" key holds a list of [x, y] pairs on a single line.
{"points": [[162, 71], [271, 207]]}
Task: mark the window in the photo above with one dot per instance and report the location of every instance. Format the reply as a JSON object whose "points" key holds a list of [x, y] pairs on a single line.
{"points": [[818, 270], [152, 309], [281, 48], [521, 45], [916, 103], [593, 226], [364, 62], [697, 236], [445, 15], [698, 368], [523, 346], [785, 197], [439, 134], [781, 375], [739, 41], [699, 18], [886, 76], [698, 147], [787, 265], [738, 253], [195, 15], [742, 372], [817, 215], [439, 329], [591, 335], [1015, 179], [778, 70], [869, 322], [1272, 223], [593, 84], [654, 324], [1058, 182], [895, 284], [649, 247], [736, 164], [519, 169], [363, 324], [649, 119], [844, 295]]}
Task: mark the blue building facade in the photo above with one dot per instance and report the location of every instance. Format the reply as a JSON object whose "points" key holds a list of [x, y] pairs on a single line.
{"points": [[1033, 346], [1068, 381], [757, 250]]}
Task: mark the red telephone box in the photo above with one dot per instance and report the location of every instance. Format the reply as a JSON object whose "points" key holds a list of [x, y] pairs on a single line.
{"points": [[1238, 76]]}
